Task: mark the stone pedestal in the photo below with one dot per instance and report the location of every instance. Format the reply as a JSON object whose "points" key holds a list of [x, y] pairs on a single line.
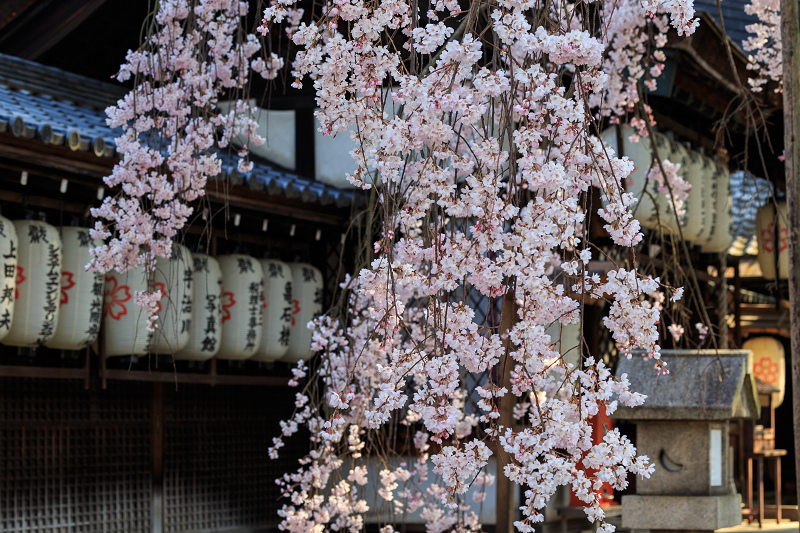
{"points": [[700, 513]]}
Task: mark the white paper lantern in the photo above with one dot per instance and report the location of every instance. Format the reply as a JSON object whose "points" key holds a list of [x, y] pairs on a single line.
{"points": [[766, 227], [173, 277], [722, 222], [81, 301], [567, 340], [769, 363], [206, 331], [697, 207], [124, 322], [675, 153], [242, 306], [307, 301], [278, 297], [641, 154], [38, 281], [9, 252]]}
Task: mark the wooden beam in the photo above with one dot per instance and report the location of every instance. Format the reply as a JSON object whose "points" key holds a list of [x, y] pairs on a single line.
{"points": [[43, 202], [55, 157], [12, 9], [43, 372], [39, 32], [13, 371], [199, 379], [243, 197]]}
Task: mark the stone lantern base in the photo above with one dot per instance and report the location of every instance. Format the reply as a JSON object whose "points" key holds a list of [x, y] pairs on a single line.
{"points": [[685, 513]]}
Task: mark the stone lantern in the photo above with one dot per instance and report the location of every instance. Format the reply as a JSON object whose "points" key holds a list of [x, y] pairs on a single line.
{"points": [[683, 428]]}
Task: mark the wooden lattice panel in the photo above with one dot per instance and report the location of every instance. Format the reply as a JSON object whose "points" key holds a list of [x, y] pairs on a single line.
{"points": [[73, 460], [217, 475]]}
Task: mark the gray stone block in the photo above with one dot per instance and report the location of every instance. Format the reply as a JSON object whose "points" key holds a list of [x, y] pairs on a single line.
{"points": [[681, 512], [683, 456]]}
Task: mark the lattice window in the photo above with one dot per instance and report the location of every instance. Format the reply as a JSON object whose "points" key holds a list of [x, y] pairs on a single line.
{"points": [[216, 471], [73, 460]]}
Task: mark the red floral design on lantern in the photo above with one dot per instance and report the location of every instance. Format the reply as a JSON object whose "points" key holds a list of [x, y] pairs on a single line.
{"points": [[227, 303], [20, 278], [160, 287], [768, 238], [66, 284], [115, 297], [295, 310], [766, 370]]}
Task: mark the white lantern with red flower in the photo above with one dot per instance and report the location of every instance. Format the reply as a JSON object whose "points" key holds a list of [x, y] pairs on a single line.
{"points": [[81, 301], [769, 364], [38, 281], [278, 305], [173, 277], [8, 255], [242, 306], [307, 305], [206, 330], [124, 322], [773, 238]]}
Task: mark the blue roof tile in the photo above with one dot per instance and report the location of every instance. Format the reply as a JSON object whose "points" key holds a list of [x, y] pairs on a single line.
{"points": [[59, 107], [736, 20]]}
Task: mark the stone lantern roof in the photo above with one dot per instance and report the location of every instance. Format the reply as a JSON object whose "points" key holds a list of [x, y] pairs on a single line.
{"points": [[701, 385]]}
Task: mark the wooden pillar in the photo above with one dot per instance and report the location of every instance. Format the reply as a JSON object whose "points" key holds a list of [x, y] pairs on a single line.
{"points": [[790, 35], [305, 130], [722, 321], [737, 304], [157, 458]]}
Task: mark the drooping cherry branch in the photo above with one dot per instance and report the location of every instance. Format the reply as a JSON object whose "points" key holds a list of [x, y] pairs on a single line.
{"points": [[482, 160]]}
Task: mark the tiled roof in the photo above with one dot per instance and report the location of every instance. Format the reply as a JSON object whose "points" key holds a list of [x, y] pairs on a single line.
{"points": [[61, 108], [733, 13]]}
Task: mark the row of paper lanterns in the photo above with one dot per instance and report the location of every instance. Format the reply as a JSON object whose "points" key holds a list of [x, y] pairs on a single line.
{"points": [[232, 306], [47, 298], [708, 220]]}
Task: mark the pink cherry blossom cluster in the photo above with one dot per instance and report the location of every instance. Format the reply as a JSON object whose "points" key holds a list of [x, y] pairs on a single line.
{"points": [[765, 43], [474, 125], [171, 129], [672, 185], [636, 33]]}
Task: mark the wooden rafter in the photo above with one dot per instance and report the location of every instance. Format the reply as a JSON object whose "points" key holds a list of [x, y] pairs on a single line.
{"points": [[40, 25]]}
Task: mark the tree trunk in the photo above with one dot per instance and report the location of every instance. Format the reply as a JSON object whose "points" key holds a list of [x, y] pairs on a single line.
{"points": [[504, 506], [790, 35]]}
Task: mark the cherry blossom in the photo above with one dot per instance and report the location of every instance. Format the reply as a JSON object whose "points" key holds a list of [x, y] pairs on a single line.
{"points": [[478, 140], [474, 127], [172, 129], [765, 43]]}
